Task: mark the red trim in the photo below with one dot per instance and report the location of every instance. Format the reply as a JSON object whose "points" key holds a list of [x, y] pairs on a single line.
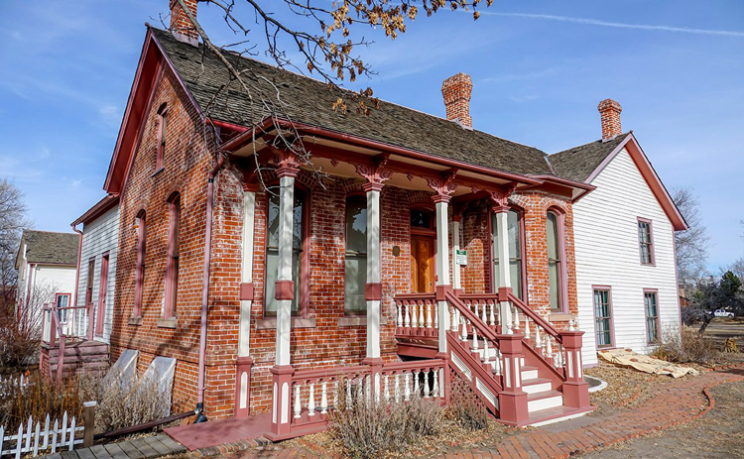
{"points": [[247, 291], [243, 365], [608, 288], [102, 291], [98, 209], [562, 262], [284, 290], [650, 176], [373, 292], [658, 315], [652, 246]]}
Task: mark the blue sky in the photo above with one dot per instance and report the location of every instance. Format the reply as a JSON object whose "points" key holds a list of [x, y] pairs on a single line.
{"points": [[539, 69]]}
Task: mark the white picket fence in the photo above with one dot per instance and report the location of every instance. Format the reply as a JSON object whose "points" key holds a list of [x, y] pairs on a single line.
{"points": [[9, 382], [31, 438]]}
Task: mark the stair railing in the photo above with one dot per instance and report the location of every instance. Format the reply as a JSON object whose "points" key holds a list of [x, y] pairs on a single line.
{"points": [[57, 327]]}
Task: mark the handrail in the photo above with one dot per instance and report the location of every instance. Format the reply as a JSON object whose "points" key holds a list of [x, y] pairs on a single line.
{"points": [[535, 317], [333, 372], [479, 296], [61, 356], [412, 365], [476, 321], [415, 296]]}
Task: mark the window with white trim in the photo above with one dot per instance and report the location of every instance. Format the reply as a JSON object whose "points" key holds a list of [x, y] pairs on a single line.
{"points": [[356, 255]]}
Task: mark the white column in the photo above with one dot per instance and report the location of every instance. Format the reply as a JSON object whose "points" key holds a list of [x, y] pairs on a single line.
{"points": [[284, 307], [443, 275], [456, 282], [502, 225], [246, 272], [373, 268]]}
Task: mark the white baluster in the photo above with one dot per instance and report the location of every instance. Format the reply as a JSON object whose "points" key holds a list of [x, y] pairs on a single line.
{"points": [[311, 401], [324, 399], [360, 388], [400, 313], [538, 342], [486, 354], [429, 321], [348, 393], [426, 383], [397, 387], [406, 386], [408, 314], [516, 317], [435, 389], [483, 313], [455, 319], [498, 362], [571, 325], [386, 394], [297, 405], [416, 388], [475, 339], [526, 327], [421, 314], [475, 308], [434, 311], [368, 387], [335, 394], [464, 332], [491, 317]]}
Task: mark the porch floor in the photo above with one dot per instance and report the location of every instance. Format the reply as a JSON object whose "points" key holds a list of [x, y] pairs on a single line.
{"points": [[213, 433]]}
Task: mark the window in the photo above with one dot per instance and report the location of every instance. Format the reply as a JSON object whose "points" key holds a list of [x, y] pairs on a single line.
{"points": [[89, 284], [356, 255], [421, 218], [516, 263], [139, 277], [102, 290], [272, 252], [162, 121], [62, 301], [556, 266], [652, 316], [603, 317], [645, 241], [171, 269]]}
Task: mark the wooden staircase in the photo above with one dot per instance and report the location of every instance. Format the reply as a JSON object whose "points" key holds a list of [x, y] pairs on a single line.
{"points": [[80, 357], [524, 371]]}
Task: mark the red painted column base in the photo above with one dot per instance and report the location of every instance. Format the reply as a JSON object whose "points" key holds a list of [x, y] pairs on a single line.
{"points": [[281, 416], [576, 394], [513, 408], [444, 381], [243, 366]]}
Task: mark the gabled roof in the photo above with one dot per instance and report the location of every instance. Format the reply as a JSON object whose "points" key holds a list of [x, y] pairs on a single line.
{"points": [[98, 209], [45, 247], [578, 163], [586, 162], [310, 102]]}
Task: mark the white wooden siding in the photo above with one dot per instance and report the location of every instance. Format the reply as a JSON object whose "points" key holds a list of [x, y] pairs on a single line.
{"points": [[46, 280], [607, 253], [99, 236]]}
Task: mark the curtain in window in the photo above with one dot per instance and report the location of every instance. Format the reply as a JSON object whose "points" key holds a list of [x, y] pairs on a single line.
{"points": [[272, 252], [515, 251], [602, 317], [554, 262], [356, 255], [652, 315]]}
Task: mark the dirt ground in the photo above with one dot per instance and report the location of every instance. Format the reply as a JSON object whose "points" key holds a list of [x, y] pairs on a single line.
{"points": [[718, 434]]}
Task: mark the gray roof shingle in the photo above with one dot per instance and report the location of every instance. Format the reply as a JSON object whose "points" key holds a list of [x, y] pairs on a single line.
{"points": [[45, 247], [310, 101], [578, 163]]}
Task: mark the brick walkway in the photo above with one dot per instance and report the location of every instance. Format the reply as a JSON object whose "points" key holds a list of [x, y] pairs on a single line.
{"points": [[674, 403]]}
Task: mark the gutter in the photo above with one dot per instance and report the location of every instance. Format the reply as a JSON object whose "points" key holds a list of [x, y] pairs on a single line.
{"points": [[205, 290], [77, 282]]}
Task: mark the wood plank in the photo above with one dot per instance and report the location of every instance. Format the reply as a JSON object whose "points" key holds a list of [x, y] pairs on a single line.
{"points": [[85, 453], [69, 455], [131, 450], [115, 451], [157, 445], [170, 443], [100, 452], [53, 456], [144, 448]]}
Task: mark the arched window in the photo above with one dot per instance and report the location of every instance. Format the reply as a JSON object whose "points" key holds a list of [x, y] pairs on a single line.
{"points": [[171, 269], [272, 251], [139, 276], [162, 121], [556, 261], [356, 255], [516, 260]]}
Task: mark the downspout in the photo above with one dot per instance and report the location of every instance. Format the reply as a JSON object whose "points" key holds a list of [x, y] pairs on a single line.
{"points": [[77, 275], [205, 290]]}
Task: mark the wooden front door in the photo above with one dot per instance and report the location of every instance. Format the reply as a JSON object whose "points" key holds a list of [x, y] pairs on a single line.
{"points": [[422, 264]]}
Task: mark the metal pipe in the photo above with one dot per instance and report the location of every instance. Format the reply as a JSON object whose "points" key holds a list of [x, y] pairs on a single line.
{"points": [[205, 288]]}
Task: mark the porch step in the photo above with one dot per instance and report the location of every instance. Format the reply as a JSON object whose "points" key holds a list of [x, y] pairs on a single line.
{"points": [[537, 385], [544, 400], [529, 373], [553, 415]]}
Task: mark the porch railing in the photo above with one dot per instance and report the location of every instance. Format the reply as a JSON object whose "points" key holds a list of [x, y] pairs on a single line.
{"points": [[416, 315]]}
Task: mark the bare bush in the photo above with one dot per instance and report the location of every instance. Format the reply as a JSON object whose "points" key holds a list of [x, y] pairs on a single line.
{"points": [[465, 408], [370, 429], [686, 347]]}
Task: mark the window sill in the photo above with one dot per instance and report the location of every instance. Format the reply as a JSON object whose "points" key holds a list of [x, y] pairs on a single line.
{"points": [[157, 172], [561, 317], [170, 322], [357, 321], [297, 322], [135, 320]]}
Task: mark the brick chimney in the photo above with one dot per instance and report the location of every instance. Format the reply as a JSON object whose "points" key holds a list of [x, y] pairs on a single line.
{"points": [[180, 25], [456, 91], [610, 112]]}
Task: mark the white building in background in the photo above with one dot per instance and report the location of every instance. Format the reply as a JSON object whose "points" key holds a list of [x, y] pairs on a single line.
{"points": [[98, 270], [47, 267], [626, 272]]}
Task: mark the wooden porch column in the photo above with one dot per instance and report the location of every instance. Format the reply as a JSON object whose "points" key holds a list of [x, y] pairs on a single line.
{"points": [[441, 202], [282, 370], [245, 361], [504, 280]]}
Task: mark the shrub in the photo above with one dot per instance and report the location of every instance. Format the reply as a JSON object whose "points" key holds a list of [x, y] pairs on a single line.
{"points": [[370, 429], [465, 408], [20, 336], [686, 347]]}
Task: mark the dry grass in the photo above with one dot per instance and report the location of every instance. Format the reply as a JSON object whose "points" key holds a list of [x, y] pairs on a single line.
{"points": [[120, 405], [466, 409], [688, 347]]}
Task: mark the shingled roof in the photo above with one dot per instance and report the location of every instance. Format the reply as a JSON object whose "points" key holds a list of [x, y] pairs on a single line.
{"points": [[44, 247], [310, 102], [578, 163]]}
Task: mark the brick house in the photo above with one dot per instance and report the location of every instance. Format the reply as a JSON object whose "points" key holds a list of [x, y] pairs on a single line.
{"points": [[426, 250]]}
